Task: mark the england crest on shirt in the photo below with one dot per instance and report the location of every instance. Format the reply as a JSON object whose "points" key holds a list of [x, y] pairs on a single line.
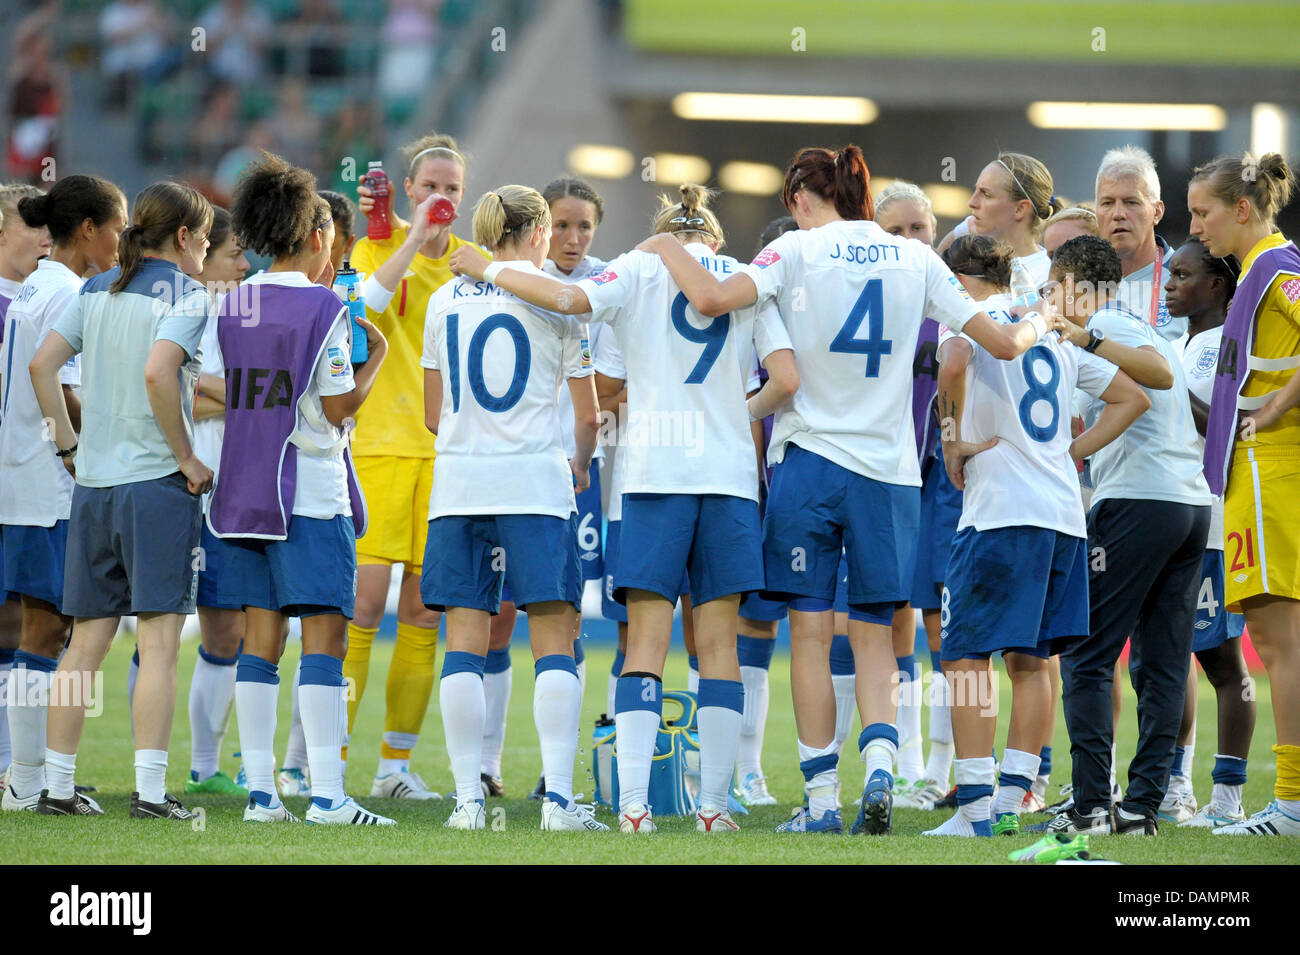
{"points": [[1162, 315], [1205, 361]]}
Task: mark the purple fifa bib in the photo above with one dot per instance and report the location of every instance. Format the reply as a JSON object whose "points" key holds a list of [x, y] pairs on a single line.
{"points": [[271, 339], [925, 385], [1235, 358]]}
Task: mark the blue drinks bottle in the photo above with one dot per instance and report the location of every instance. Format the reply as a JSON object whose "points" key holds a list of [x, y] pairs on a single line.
{"points": [[347, 286]]}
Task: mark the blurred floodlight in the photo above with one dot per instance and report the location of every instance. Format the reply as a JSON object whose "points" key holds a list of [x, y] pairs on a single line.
{"points": [[751, 178], [949, 201], [1267, 129], [764, 108], [602, 162], [1193, 116], [679, 167]]}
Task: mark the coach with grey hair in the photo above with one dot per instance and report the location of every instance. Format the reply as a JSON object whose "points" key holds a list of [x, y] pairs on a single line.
{"points": [[1147, 527], [1128, 208]]}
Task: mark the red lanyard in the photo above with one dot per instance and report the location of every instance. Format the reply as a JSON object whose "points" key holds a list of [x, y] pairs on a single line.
{"points": [[1155, 284]]}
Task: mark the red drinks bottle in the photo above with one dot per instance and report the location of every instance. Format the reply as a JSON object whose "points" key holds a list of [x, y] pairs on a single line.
{"points": [[441, 212], [376, 180]]}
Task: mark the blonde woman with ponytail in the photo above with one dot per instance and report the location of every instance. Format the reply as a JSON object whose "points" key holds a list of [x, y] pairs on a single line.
{"points": [[134, 524], [502, 508], [1252, 441], [690, 506]]}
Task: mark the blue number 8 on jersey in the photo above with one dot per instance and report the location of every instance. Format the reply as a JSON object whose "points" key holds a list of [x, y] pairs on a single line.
{"points": [[1040, 391]]}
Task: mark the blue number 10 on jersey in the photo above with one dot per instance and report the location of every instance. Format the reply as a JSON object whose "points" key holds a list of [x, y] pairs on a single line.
{"points": [[477, 343], [871, 305]]}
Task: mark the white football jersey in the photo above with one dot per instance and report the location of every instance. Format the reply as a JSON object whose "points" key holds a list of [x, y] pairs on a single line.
{"points": [[1200, 358], [36, 489], [687, 421], [1027, 479], [503, 363], [853, 298], [210, 432], [600, 343], [1156, 458]]}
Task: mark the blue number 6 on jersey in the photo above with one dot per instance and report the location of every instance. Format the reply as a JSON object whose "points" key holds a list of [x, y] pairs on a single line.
{"points": [[871, 304], [712, 336]]}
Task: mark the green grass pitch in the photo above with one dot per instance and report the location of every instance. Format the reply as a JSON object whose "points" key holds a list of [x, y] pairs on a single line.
{"points": [[106, 756]]}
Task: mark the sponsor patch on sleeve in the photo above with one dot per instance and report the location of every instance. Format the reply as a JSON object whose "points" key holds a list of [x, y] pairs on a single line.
{"points": [[338, 362], [961, 289], [586, 353], [1291, 289], [604, 278], [768, 256]]}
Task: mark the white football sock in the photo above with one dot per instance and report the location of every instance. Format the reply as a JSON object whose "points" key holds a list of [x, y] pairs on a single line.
{"points": [[582, 678], [753, 724], [60, 769], [939, 764], [911, 757], [693, 679], [846, 706], [295, 753], [461, 698], [5, 753], [212, 691], [821, 787], [496, 695], [1226, 796], [557, 707], [1113, 764], [151, 775], [956, 825], [323, 739], [255, 712], [27, 730], [980, 771], [719, 738], [637, 732], [879, 754], [1022, 766], [1189, 754]]}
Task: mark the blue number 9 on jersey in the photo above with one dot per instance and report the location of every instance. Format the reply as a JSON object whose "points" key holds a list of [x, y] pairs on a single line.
{"points": [[712, 336], [871, 304], [1040, 391]]}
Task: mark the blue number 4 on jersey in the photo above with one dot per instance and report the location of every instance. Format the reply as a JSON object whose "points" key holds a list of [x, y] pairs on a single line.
{"points": [[871, 305]]}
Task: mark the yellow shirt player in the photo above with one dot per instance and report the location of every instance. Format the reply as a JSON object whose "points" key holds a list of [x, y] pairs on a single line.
{"points": [[1234, 201], [393, 453]]}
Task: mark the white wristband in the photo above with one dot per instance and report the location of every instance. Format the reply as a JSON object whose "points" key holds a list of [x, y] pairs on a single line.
{"points": [[1037, 321], [492, 271]]}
